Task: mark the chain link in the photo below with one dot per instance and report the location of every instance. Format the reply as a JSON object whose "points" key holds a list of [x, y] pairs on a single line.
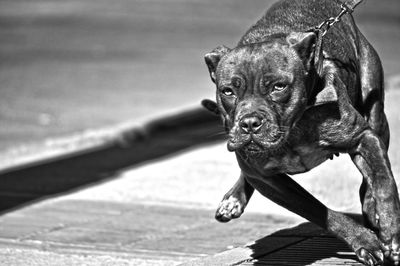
{"points": [[322, 29], [327, 24]]}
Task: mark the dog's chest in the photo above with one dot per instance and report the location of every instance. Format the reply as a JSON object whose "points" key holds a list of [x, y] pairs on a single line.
{"points": [[297, 160]]}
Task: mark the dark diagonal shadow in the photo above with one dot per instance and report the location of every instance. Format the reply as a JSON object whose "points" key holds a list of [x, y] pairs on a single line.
{"points": [[305, 244], [156, 139]]}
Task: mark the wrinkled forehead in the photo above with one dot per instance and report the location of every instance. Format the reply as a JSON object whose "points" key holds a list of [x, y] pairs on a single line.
{"points": [[260, 58]]}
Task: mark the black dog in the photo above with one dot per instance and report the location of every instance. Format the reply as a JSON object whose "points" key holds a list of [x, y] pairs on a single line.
{"points": [[283, 118]]}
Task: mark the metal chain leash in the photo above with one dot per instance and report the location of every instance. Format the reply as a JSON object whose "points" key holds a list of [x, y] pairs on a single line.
{"points": [[322, 29], [327, 24]]}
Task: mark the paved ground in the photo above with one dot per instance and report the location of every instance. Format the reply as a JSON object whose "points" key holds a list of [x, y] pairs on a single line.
{"points": [[72, 232], [77, 65]]}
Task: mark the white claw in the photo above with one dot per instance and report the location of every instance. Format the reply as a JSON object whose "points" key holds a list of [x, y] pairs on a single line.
{"points": [[376, 219]]}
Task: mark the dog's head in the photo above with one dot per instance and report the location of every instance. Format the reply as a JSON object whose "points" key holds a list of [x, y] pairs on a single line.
{"points": [[262, 90]]}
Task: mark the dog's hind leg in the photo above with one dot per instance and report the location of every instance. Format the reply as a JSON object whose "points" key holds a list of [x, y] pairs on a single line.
{"points": [[286, 192]]}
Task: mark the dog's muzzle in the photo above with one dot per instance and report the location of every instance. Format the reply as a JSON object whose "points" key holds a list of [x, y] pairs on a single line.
{"points": [[255, 133]]}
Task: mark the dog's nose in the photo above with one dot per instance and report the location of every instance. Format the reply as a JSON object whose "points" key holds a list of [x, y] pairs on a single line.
{"points": [[250, 124]]}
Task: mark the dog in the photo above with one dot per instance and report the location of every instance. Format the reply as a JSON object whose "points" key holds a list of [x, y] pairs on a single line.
{"points": [[283, 117]]}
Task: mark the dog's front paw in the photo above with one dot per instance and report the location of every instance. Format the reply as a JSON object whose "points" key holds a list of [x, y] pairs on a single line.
{"points": [[367, 248], [370, 258], [229, 209], [388, 221], [392, 251]]}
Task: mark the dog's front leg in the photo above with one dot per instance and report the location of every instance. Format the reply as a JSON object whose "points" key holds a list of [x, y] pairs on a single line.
{"points": [[286, 192], [234, 201], [383, 206]]}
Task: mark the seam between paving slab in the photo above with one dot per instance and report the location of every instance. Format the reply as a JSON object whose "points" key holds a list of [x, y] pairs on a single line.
{"points": [[82, 249]]}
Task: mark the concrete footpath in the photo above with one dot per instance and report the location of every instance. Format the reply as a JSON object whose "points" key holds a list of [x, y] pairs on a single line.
{"points": [[161, 213], [68, 232], [73, 232]]}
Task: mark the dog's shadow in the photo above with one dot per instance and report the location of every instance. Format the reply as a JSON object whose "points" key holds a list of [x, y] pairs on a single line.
{"points": [[305, 244]]}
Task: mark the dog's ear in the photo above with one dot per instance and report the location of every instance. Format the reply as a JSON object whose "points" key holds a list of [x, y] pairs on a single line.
{"points": [[212, 59], [304, 44], [210, 106]]}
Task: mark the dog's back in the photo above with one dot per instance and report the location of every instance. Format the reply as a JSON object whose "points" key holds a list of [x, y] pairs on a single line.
{"points": [[302, 15]]}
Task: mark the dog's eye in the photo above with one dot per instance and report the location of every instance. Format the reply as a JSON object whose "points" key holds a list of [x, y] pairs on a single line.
{"points": [[227, 91], [280, 87]]}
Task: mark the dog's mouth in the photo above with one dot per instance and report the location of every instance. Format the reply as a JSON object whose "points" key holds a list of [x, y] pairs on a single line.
{"points": [[253, 145], [253, 149], [255, 136]]}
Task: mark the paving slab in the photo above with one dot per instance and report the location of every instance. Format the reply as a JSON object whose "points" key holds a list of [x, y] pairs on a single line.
{"points": [[109, 233]]}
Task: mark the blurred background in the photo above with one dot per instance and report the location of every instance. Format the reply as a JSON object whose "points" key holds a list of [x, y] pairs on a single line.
{"points": [[69, 66], [78, 66]]}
